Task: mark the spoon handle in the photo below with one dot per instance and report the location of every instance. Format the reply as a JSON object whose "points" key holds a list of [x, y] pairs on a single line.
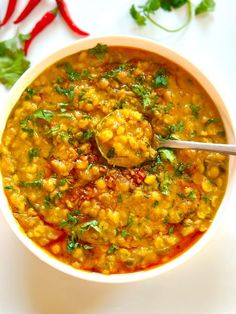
{"points": [[228, 149]]}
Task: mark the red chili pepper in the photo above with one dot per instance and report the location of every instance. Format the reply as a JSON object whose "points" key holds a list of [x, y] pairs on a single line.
{"points": [[10, 11], [39, 27], [66, 16], [27, 10]]}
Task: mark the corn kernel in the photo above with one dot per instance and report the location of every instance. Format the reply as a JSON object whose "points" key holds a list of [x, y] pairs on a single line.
{"points": [[151, 179], [100, 184], [105, 135]]}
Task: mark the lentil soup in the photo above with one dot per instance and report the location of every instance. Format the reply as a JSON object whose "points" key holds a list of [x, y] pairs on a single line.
{"points": [[75, 205]]}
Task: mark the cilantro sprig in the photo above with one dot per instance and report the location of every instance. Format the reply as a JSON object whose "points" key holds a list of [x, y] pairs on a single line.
{"points": [[12, 60], [144, 13]]}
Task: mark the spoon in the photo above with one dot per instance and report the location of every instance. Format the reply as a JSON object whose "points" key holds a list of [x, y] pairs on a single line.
{"points": [[126, 139]]}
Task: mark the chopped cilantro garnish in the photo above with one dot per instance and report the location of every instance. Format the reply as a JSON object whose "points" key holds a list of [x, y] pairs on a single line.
{"points": [[33, 152], [171, 230], [87, 135], [43, 114], [165, 185], [47, 202], [210, 121], [72, 219], [36, 183], [87, 247], [24, 126], [65, 91], [112, 249], [195, 110], [8, 187], [144, 93], [99, 51], [74, 75], [161, 79], [167, 154], [179, 169], [93, 224], [30, 92], [62, 182], [124, 233]]}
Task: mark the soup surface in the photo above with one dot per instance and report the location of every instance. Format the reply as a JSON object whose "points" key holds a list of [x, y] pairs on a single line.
{"points": [[87, 213]]}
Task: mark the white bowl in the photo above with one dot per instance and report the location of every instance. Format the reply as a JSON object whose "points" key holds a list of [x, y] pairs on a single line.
{"points": [[128, 41]]}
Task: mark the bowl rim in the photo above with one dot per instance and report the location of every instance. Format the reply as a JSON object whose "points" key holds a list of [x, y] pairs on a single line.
{"points": [[169, 54]]}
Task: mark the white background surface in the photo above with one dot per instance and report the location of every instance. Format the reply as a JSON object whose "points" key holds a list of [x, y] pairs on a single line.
{"points": [[206, 283]]}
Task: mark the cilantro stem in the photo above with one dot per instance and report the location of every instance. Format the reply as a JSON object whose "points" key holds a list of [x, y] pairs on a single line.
{"points": [[188, 20]]}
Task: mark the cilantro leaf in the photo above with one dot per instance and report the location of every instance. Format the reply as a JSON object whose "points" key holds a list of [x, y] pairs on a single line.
{"points": [[168, 5], [161, 79], [112, 249], [152, 5], [74, 75], [99, 51], [210, 121], [33, 152], [36, 183], [139, 18], [195, 110], [144, 93], [88, 225], [171, 230], [64, 91], [12, 61], [165, 185], [205, 6], [167, 154], [43, 114]]}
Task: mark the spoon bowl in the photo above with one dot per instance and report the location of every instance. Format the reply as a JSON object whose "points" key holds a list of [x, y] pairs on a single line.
{"points": [[126, 139]]}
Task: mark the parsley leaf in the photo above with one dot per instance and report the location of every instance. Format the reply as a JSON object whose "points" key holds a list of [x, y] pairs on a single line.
{"points": [[12, 61], [205, 6], [99, 51]]}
